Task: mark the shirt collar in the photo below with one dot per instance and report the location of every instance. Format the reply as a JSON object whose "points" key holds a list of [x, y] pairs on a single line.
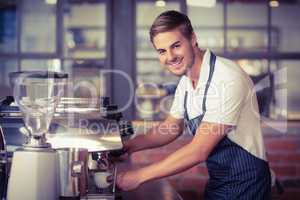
{"points": [[203, 72]]}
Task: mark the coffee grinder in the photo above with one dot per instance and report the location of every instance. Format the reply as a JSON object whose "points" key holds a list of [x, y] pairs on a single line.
{"points": [[34, 172]]}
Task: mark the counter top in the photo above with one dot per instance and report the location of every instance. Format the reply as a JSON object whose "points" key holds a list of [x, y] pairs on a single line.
{"points": [[152, 190], [159, 189]]}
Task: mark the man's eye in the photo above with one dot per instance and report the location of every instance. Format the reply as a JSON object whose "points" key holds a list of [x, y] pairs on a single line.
{"points": [[177, 46], [161, 52]]}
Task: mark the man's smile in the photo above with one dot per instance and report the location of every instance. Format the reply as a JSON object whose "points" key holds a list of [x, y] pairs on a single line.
{"points": [[176, 63]]}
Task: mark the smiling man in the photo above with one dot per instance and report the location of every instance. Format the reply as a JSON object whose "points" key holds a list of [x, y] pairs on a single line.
{"points": [[215, 103]]}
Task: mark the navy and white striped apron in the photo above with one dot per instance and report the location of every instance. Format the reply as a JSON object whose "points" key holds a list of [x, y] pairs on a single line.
{"points": [[234, 173]]}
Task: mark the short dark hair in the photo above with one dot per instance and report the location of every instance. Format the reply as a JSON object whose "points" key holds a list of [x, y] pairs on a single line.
{"points": [[170, 20]]}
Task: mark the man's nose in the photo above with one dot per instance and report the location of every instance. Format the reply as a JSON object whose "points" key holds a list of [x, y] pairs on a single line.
{"points": [[171, 56]]}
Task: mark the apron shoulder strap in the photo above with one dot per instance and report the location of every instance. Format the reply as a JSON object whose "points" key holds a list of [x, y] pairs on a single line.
{"points": [[211, 71], [212, 63]]}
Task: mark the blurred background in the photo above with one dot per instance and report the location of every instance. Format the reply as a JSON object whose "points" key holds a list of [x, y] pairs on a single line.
{"points": [[85, 37], [104, 47]]}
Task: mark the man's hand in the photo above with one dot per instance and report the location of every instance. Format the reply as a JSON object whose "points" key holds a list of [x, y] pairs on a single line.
{"points": [[127, 147], [129, 180]]}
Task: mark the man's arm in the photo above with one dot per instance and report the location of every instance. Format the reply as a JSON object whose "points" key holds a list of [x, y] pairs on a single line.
{"points": [[162, 134], [208, 135]]}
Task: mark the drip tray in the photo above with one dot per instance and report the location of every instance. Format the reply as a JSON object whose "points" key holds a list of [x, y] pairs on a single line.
{"points": [[99, 197]]}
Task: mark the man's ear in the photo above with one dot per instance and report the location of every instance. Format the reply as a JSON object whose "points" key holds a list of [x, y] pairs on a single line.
{"points": [[194, 39], [153, 45]]}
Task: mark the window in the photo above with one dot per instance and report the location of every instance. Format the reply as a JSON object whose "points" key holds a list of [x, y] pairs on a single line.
{"points": [[38, 27], [208, 25], [8, 27], [53, 36], [85, 46], [151, 100], [286, 92], [284, 19], [6, 66], [247, 32], [265, 47], [85, 30]]}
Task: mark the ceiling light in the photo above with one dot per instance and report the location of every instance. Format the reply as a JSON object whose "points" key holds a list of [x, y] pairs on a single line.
{"points": [[201, 3], [274, 3], [51, 2], [160, 3]]}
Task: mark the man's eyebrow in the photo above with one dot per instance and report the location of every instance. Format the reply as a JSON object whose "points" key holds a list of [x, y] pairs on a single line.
{"points": [[175, 43], [172, 45], [160, 50]]}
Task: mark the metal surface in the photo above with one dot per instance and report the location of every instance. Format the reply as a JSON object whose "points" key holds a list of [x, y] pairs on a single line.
{"points": [[66, 105], [73, 172], [99, 197], [69, 105], [73, 129], [3, 165], [70, 130], [33, 175], [103, 191], [92, 134], [90, 142]]}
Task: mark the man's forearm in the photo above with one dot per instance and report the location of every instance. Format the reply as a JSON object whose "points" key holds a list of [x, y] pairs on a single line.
{"points": [[153, 138], [179, 161], [207, 136], [162, 134]]}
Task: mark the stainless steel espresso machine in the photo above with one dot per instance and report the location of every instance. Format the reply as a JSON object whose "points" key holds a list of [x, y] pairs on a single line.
{"points": [[3, 165], [68, 157]]}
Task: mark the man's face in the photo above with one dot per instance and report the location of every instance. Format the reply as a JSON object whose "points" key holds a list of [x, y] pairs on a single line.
{"points": [[175, 51]]}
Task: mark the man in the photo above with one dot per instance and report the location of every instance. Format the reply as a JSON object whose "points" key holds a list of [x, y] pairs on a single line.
{"points": [[216, 102]]}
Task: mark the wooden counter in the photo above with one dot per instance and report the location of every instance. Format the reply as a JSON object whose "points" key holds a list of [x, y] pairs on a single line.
{"points": [[152, 190], [159, 189]]}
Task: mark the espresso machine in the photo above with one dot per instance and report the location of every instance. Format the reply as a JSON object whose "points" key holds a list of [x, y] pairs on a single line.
{"points": [[93, 139], [3, 165], [34, 169], [77, 150]]}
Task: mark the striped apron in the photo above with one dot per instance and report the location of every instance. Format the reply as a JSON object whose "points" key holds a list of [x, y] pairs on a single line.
{"points": [[234, 173]]}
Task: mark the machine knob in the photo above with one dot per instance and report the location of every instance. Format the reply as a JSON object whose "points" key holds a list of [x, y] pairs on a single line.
{"points": [[77, 167]]}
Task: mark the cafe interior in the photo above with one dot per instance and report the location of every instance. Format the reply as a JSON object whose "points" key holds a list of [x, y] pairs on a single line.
{"points": [[104, 49]]}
